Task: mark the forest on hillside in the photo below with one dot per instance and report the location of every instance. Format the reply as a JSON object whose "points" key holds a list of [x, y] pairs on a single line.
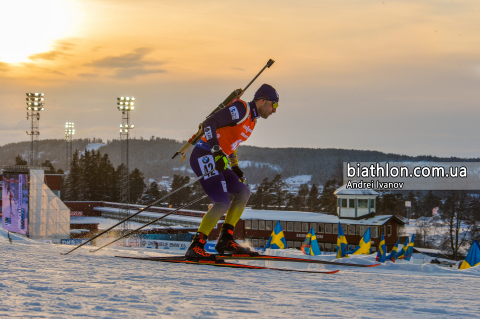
{"points": [[154, 158]]}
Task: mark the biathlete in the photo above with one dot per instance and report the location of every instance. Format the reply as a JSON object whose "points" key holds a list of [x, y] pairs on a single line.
{"points": [[223, 132]]}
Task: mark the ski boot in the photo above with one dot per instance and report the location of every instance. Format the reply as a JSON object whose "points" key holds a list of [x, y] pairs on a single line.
{"points": [[226, 243], [196, 250]]}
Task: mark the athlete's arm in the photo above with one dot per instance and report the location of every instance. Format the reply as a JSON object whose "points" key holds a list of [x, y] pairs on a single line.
{"points": [[228, 116]]}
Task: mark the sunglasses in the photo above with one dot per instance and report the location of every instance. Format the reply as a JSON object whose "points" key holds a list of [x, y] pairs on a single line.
{"points": [[275, 104]]}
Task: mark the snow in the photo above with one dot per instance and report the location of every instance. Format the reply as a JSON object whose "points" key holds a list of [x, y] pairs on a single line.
{"points": [[245, 164], [299, 179], [94, 146], [37, 281]]}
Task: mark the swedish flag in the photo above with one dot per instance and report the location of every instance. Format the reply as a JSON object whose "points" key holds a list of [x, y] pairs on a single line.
{"points": [[409, 250], [364, 245], [473, 257], [382, 250], [402, 252], [310, 244], [393, 254], [277, 238], [341, 243]]}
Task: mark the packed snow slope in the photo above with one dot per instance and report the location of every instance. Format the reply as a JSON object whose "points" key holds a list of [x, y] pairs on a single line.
{"points": [[37, 282]]}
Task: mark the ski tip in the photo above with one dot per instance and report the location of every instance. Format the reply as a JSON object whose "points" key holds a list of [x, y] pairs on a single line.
{"points": [[374, 265]]}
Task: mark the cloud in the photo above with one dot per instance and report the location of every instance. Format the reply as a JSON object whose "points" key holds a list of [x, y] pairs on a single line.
{"points": [[131, 64], [60, 50]]}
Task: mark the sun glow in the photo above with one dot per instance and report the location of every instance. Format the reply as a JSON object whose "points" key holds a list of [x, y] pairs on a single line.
{"points": [[30, 26]]}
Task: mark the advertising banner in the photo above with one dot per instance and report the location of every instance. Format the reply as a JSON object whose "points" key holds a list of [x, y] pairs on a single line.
{"points": [[165, 244], [15, 203]]}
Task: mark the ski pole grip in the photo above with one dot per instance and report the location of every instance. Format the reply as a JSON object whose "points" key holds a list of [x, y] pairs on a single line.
{"points": [[269, 63]]}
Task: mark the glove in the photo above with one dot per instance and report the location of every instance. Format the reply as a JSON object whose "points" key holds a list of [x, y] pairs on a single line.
{"points": [[221, 161], [239, 173]]}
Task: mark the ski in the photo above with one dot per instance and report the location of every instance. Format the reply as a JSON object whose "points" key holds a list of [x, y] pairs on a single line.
{"points": [[289, 259], [255, 256], [221, 263]]}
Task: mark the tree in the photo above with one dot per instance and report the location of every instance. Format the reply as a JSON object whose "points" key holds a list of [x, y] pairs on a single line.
{"points": [[261, 198], [20, 161], [49, 165], [180, 197], [73, 180], [455, 213], [151, 194], [313, 199], [328, 201], [278, 192], [137, 185], [428, 203], [302, 196]]}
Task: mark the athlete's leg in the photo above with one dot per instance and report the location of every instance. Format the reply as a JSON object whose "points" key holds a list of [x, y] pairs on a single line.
{"points": [[214, 185], [241, 193]]}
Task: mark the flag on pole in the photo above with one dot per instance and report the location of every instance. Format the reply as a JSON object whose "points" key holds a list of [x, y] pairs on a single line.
{"points": [[401, 253], [473, 257], [310, 244], [409, 250], [364, 245], [382, 250], [341, 243], [277, 238], [393, 254]]}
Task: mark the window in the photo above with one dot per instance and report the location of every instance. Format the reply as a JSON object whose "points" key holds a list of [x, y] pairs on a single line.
{"points": [[298, 244], [268, 225], [321, 228], [351, 203], [389, 230], [321, 246], [255, 224], [314, 226], [298, 227], [328, 247], [363, 229], [255, 242], [339, 202], [305, 228], [289, 244], [351, 229], [357, 231], [261, 242], [290, 226], [261, 225], [374, 249], [335, 229], [284, 225], [363, 203], [374, 231], [372, 204], [344, 202], [328, 228]]}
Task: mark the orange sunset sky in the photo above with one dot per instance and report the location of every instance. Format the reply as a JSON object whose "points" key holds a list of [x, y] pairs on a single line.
{"points": [[393, 76]]}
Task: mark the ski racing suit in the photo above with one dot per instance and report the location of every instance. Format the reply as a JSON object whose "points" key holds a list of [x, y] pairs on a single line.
{"points": [[227, 128]]}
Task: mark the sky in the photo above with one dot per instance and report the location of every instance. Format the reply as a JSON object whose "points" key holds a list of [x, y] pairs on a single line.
{"points": [[392, 76]]}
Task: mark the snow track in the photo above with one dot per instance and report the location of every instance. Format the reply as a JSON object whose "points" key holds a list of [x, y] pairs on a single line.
{"points": [[37, 282]]}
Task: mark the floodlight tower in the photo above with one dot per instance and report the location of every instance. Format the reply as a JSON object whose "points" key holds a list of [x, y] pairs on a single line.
{"points": [[35, 102], [69, 132], [125, 105]]}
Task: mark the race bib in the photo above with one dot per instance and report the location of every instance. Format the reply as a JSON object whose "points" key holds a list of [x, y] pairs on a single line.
{"points": [[207, 164]]}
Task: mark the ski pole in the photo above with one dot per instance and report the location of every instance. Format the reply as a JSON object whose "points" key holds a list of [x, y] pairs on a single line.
{"points": [[153, 221], [141, 210], [234, 95]]}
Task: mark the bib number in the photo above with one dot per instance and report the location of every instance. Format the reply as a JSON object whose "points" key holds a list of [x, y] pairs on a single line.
{"points": [[207, 164]]}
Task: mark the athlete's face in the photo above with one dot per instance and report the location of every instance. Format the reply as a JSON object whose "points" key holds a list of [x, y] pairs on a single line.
{"points": [[265, 109]]}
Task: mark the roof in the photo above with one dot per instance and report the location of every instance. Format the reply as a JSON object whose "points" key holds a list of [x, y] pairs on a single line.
{"points": [[366, 191], [282, 215]]}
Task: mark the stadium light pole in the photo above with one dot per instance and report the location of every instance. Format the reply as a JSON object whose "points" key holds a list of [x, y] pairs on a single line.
{"points": [[125, 105], [35, 103], [69, 132]]}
